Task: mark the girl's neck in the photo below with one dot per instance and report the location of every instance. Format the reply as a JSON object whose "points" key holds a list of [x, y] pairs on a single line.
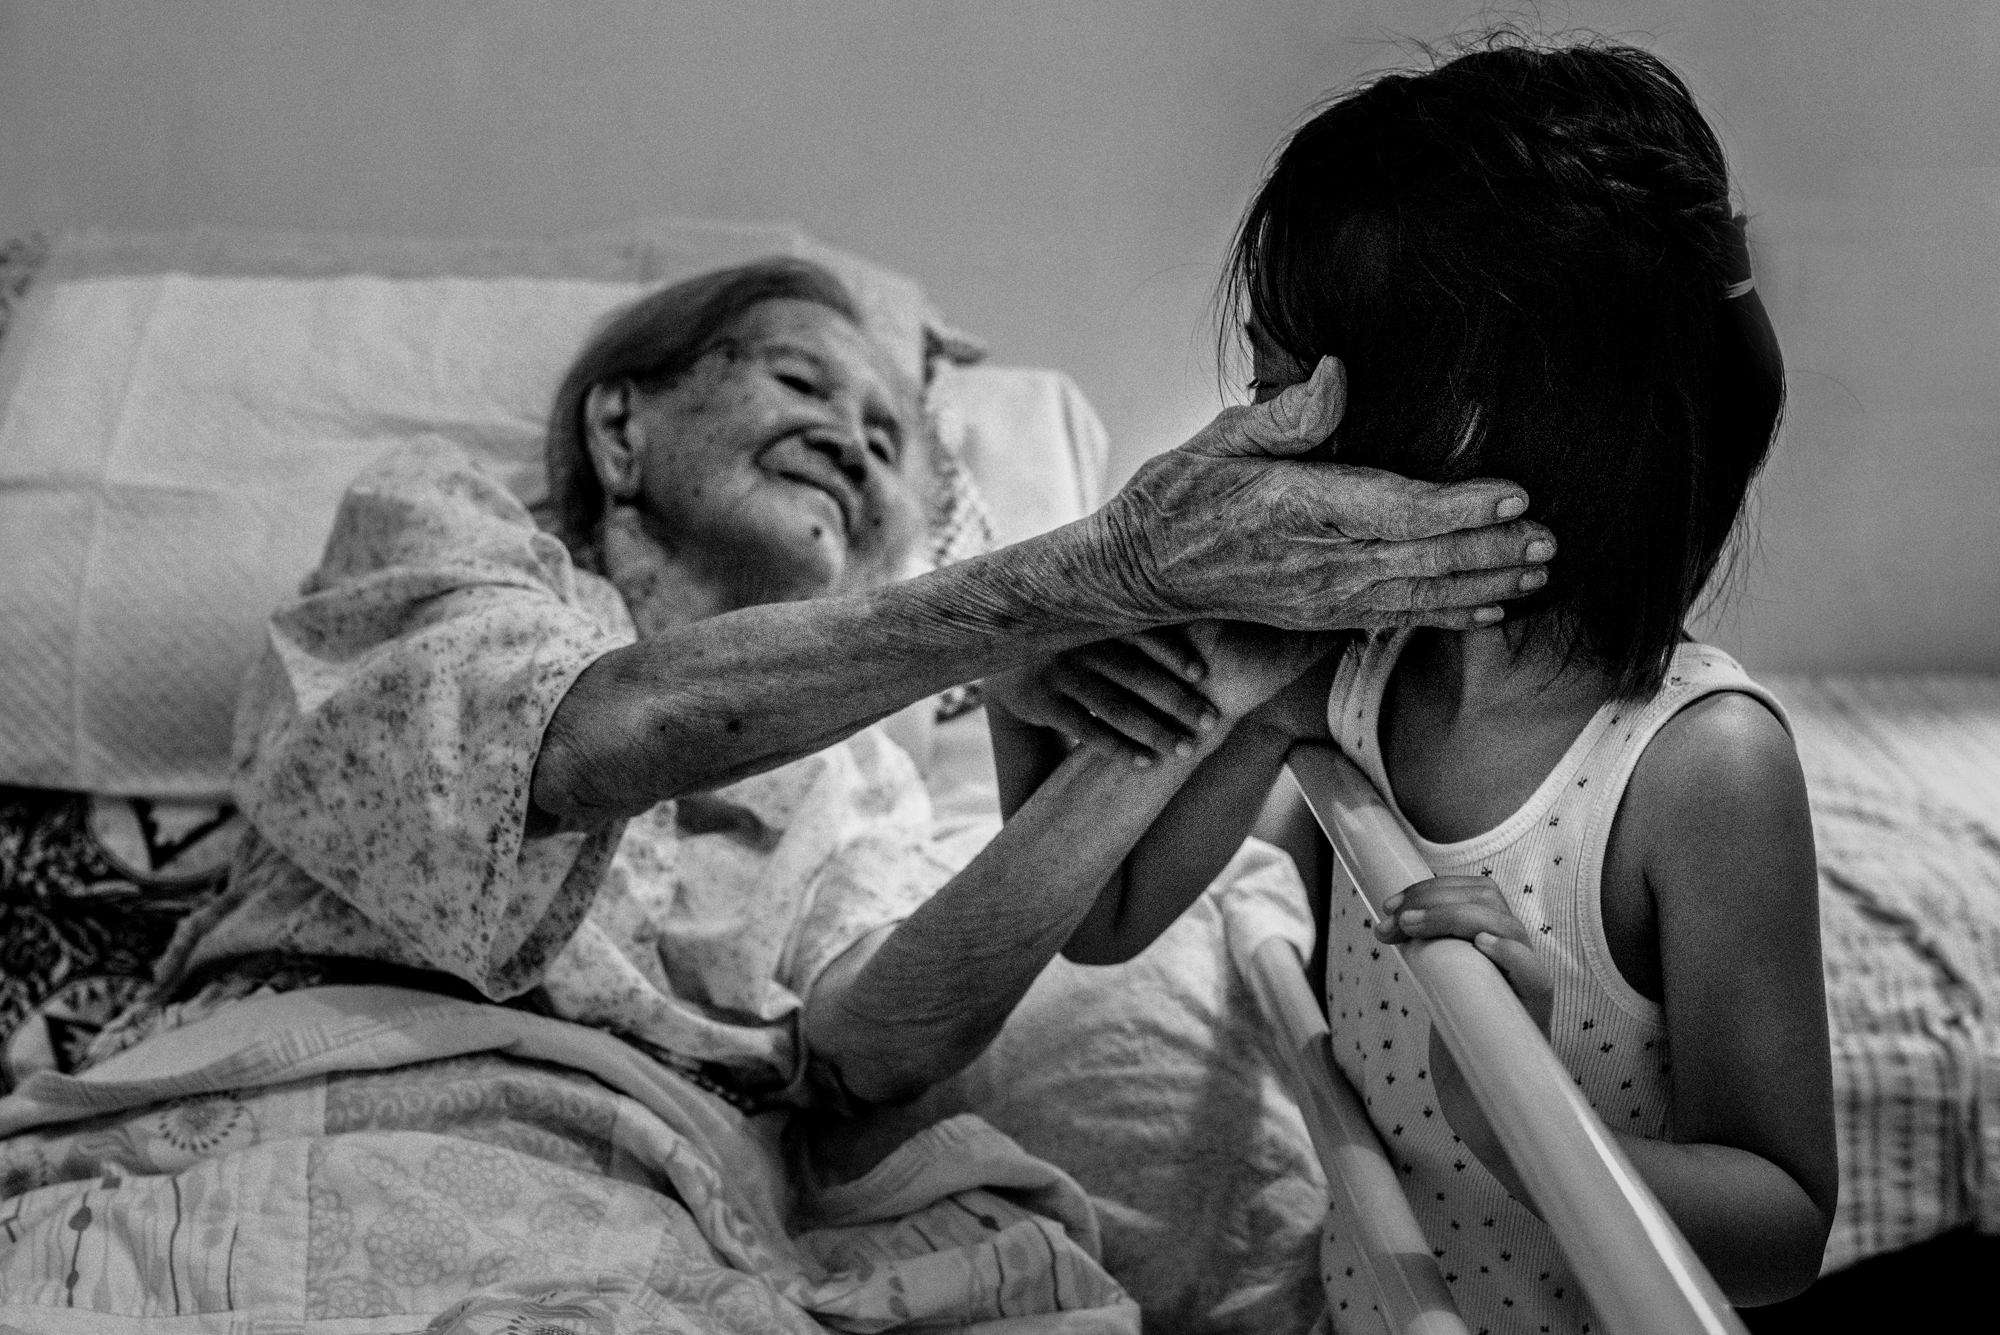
{"points": [[1473, 721], [1475, 674]]}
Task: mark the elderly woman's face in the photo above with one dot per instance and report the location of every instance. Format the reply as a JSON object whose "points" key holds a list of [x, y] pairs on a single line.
{"points": [[787, 463]]}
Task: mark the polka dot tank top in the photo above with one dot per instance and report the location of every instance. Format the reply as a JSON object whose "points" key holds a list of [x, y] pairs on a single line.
{"points": [[1501, 1262]]}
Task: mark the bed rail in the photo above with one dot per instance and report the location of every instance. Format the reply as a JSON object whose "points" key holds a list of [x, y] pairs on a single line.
{"points": [[1637, 1269], [1411, 1289]]}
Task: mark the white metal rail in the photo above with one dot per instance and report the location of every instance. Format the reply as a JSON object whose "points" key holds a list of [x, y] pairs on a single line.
{"points": [[1407, 1282], [1631, 1260]]}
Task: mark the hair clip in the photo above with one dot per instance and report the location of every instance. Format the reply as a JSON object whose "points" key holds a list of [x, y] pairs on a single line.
{"points": [[1740, 261]]}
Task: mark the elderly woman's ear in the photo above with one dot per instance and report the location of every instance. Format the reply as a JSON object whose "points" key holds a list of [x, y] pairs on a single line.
{"points": [[609, 436]]}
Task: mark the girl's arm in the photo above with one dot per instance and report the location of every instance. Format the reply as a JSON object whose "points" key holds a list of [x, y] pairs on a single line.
{"points": [[1726, 842], [1717, 808], [1085, 865]]}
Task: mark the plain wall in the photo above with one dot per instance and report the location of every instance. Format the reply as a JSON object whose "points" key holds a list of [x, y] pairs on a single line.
{"points": [[1064, 178]]}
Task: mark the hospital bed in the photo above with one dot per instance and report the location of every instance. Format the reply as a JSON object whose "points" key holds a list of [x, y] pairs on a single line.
{"points": [[177, 417]]}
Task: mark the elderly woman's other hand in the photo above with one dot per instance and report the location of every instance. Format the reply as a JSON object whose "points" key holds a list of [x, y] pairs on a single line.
{"points": [[1150, 695], [1236, 525], [1134, 695]]}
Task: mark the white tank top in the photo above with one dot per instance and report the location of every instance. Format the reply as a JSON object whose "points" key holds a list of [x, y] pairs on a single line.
{"points": [[1500, 1261]]}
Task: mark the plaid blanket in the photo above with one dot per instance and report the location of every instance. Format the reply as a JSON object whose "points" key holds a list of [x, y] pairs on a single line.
{"points": [[1905, 781]]}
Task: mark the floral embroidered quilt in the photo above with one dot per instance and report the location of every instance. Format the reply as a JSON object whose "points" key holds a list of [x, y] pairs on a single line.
{"points": [[369, 1159]]}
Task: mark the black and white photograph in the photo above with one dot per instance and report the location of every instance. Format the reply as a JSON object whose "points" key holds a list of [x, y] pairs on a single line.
{"points": [[1034, 667]]}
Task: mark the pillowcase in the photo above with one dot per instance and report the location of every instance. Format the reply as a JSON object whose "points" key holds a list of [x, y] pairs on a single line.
{"points": [[179, 416]]}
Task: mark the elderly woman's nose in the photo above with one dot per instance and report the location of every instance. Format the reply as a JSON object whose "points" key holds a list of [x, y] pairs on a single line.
{"points": [[838, 411], [845, 446]]}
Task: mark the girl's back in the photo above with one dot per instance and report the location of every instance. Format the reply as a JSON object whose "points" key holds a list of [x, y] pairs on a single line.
{"points": [[1534, 787]]}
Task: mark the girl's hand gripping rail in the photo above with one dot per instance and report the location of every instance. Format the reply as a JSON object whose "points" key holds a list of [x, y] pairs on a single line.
{"points": [[1637, 1269]]}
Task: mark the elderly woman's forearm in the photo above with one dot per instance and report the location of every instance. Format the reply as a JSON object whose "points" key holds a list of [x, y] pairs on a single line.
{"points": [[734, 695], [1186, 846], [938, 988]]}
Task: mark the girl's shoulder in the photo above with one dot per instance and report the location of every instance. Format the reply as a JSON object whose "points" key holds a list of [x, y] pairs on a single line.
{"points": [[1719, 777]]}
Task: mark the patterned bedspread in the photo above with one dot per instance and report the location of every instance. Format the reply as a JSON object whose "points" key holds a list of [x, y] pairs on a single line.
{"points": [[1905, 780], [375, 1160]]}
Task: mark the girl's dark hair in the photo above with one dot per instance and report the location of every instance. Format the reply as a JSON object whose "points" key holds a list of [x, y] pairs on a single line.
{"points": [[1523, 257], [653, 342]]}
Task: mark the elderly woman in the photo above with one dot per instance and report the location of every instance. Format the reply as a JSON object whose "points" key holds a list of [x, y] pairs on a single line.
{"points": [[623, 770]]}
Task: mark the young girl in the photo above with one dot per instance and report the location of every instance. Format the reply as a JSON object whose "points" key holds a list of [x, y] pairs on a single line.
{"points": [[1528, 262]]}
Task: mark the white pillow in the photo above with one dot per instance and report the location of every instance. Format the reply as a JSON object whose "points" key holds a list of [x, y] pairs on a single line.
{"points": [[173, 441]]}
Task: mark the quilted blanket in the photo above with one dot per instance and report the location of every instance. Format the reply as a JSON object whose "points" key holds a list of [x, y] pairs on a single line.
{"points": [[1905, 780], [368, 1159]]}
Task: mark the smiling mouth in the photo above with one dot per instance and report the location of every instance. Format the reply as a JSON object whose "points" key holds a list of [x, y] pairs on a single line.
{"points": [[797, 461], [846, 502], [841, 503]]}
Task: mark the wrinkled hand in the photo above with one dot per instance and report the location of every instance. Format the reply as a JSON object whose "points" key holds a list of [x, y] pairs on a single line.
{"points": [[1132, 696], [1156, 693], [1470, 908], [1231, 525]]}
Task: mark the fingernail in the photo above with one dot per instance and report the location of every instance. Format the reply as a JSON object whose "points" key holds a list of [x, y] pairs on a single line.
{"points": [[1484, 940], [1486, 616], [1411, 918], [1510, 507], [1209, 718], [1195, 671], [1183, 748], [1142, 762], [1389, 905], [1541, 549], [1534, 579]]}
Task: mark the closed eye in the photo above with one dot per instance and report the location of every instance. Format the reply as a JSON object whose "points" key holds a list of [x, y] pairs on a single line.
{"points": [[799, 384], [886, 444]]}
